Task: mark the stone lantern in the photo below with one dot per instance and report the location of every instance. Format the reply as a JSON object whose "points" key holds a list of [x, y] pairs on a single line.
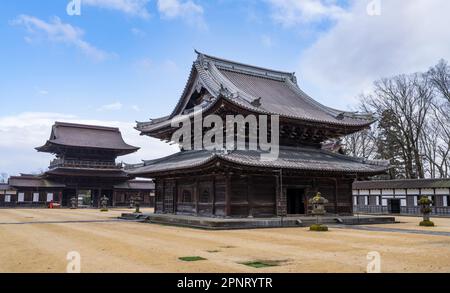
{"points": [[73, 203], [104, 204], [137, 204], [425, 207], [318, 202]]}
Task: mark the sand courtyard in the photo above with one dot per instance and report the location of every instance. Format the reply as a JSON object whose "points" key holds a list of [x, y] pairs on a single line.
{"points": [[39, 240]]}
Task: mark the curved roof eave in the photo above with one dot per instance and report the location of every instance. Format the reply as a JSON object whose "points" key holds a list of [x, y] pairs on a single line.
{"points": [[210, 78]]}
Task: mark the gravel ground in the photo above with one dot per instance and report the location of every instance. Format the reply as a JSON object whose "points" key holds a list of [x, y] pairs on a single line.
{"points": [[39, 240]]}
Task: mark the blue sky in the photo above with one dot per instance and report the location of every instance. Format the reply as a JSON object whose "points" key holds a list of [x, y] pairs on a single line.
{"points": [[127, 60], [148, 58]]}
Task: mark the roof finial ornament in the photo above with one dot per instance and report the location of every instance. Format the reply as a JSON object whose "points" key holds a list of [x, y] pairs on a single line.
{"points": [[225, 92], [256, 102], [341, 116]]}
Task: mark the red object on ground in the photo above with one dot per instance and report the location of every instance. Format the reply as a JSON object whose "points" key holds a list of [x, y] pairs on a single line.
{"points": [[51, 205]]}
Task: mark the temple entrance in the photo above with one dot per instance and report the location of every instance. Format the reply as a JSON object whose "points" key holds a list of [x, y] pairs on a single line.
{"points": [[67, 196], [84, 198], [295, 201], [394, 206]]}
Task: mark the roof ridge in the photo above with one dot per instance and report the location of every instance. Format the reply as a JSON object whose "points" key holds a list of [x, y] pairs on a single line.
{"points": [[246, 65], [86, 126], [408, 179]]}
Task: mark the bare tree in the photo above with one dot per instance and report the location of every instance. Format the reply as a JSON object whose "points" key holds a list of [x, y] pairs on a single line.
{"points": [[436, 140], [361, 144], [413, 127], [4, 178], [402, 103]]}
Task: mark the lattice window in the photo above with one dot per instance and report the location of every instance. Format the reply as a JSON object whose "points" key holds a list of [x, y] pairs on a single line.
{"points": [[186, 196], [205, 196]]}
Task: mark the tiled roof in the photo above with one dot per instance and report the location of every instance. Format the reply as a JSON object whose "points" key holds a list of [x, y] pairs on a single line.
{"points": [[136, 185], [307, 159], [405, 183], [88, 172], [87, 136], [33, 181], [242, 85], [4, 186]]}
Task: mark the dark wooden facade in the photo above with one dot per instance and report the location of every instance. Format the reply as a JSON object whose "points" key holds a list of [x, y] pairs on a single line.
{"points": [[236, 183], [85, 166], [249, 195], [28, 192]]}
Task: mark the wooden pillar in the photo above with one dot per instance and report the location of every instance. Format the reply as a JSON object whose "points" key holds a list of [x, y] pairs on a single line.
{"points": [[196, 196], [277, 197], [163, 196], [250, 196], [336, 196], [175, 197], [214, 196], [99, 197], [228, 196], [280, 200], [76, 195], [114, 198]]}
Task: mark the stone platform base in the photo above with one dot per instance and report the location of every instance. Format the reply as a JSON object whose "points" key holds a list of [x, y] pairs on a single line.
{"points": [[250, 223]]}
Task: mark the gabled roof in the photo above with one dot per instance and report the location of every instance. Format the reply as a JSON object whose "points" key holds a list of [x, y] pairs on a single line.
{"points": [[136, 185], [87, 172], [256, 89], [87, 136], [33, 182], [5, 186], [403, 183], [304, 159]]}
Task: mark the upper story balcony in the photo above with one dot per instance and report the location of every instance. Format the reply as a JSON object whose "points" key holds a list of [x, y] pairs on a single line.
{"points": [[69, 163]]}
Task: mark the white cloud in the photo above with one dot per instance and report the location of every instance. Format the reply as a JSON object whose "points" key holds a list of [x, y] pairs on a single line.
{"points": [[266, 41], [59, 32], [23, 132], [293, 12], [136, 108], [131, 7], [42, 92], [187, 10], [111, 107], [138, 32], [144, 63], [170, 66], [408, 36]]}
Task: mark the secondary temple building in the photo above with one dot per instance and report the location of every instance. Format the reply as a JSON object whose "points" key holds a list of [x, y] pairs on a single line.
{"points": [[85, 168], [401, 196], [236, 182]]}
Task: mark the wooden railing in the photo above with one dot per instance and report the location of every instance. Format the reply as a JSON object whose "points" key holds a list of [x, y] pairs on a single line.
{"points": [[84, 164]]}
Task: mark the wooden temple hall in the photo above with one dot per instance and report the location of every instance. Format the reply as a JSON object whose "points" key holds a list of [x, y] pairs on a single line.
{"points": [[85, 168], [237, 183]]}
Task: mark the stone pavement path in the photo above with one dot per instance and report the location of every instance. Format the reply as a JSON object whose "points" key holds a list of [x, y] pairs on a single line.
{"points": [[397, 230]]}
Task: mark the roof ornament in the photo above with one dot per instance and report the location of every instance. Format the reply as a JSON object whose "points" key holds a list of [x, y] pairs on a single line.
{"points": [[225, 92], [294, 78], [256, 102], [341, 116]]}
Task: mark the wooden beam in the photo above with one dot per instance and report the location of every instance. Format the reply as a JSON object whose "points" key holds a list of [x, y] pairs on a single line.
{"points": [[213, 196], [228, 196], [250, 196]]}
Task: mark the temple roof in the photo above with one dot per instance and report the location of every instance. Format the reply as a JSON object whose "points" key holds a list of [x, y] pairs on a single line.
{"points": [[5, 186], [87, 172], [86, 136], [403, 183], [136, 185], [33, 182], [303, 159], [257, 89]]}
